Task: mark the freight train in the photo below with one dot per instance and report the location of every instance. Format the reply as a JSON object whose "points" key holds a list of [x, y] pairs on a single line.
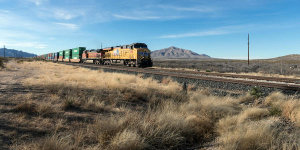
{"points": [[135, 55]]}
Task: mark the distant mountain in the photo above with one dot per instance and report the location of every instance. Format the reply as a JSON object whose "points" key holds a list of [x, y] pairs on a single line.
{"points": [[177, 53], [288, 57], [15, 53]]}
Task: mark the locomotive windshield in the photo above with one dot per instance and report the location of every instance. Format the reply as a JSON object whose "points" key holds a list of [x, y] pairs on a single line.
{"points": [[140, 45]]}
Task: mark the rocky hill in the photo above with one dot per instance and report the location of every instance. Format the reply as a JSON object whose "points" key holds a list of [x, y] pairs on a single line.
{"points": [[15, 53], [288, 57], [177, 53]]}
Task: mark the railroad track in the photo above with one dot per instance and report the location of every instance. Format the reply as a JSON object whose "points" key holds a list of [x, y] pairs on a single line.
{"points": [[270, 82]]}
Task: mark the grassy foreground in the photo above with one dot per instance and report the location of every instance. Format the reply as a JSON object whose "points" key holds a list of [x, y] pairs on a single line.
{"points": [[88, 109]]}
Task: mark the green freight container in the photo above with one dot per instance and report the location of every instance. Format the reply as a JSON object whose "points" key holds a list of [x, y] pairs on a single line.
{"points": [[61, 53], [68, 54], [78, 51], [76, 56]]}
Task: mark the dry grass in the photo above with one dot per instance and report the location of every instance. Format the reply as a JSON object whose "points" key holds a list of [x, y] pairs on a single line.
{"points": [[29, 108], [259, 127], [248, 136], [287, 107], [98, 110]]}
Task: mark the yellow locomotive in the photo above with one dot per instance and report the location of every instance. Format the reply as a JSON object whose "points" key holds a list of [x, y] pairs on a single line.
{"points": [[136, 54]]}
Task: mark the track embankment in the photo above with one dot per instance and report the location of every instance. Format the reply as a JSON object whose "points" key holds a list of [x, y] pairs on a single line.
{"points": [[232, 82]]}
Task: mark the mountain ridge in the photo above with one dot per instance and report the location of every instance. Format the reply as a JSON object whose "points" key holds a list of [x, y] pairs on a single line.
{"points": [[15, 53], [173, 52]]}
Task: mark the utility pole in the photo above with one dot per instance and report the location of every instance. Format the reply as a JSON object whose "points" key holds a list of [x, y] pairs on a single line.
{"points": [[101, 45], [248, 49], [4, 51]]}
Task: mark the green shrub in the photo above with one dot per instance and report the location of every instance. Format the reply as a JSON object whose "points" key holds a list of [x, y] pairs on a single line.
{"points": [[275, 111], [1, 63], [256, 92], [20, 61]]}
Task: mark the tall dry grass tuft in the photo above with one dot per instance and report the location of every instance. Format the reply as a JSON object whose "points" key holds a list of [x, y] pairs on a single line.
{"points": [[32, 108], [27, 107], [288, 108], [230, 123], [248, 136], [55, 142], [127, 140], [274, 98]]}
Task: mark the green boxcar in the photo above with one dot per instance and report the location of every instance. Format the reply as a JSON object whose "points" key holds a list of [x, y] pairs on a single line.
{"points": [[76, 56], [78, 51], [61, 53], [68, 54]]}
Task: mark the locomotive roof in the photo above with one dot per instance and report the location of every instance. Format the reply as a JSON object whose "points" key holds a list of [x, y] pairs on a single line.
{"points": [[123, 45]]}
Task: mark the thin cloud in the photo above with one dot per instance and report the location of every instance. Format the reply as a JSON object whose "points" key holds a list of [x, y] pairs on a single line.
{"points": [[17, 44], [68, 25], [203, 9], [216, 31], [127, 17], [196, 34], [37, 2], [61, 14]]}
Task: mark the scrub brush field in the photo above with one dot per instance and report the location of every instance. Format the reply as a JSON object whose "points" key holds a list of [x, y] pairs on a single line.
{"points": [[49, 106]]}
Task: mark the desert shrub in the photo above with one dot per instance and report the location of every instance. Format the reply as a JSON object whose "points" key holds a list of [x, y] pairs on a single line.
{"points": [[253, 114], [275, 111], [55, 142], [1, 63], [45, 110], [127, 140], [288, 108], [246, 99], [248, 136], [20, 61], [27, 107], [256, 92], [31, 108], [70, 104], [230, 122]]}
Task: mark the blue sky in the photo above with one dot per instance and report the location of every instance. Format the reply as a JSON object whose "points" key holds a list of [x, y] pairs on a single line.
{"points": [[218, 28]]}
